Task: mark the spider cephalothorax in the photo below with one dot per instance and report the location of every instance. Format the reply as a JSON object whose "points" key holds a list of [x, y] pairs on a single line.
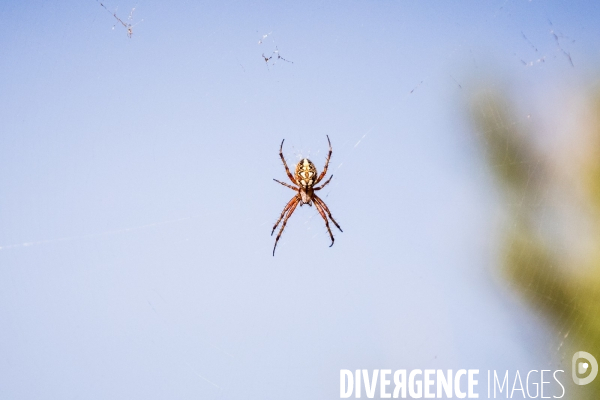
{"points": [[305, 178]]}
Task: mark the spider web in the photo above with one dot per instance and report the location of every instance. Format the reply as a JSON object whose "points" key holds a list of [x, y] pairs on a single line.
{"points": [[547, 257]]}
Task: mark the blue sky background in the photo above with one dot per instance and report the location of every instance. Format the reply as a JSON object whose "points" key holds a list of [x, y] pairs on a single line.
{"points": [[137, 194]]}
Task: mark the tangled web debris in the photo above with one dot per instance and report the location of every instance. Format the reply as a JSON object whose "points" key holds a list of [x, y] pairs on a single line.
{"points": [[274, 56], [127, 25]]}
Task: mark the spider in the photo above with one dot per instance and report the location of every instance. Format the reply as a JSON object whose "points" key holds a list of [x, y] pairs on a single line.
{"points": [[305, 180]]}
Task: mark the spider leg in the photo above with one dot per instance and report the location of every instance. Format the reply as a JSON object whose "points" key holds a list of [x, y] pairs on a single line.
{"points": [[319, 208], [285, 184], [287, 207], [318, 200], [325, 184], [289, 214], [326, 163], [287, 170]]}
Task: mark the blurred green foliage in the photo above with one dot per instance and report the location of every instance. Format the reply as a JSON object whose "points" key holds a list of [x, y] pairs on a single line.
{"points": [[566, 287]]}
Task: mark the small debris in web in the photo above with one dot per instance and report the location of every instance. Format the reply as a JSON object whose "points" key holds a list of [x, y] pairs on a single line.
{"points": [[558, 35], [264, 37], [459, 86], [532, 63], [127, 25], [416, 87], [535, 49], [529, 41], [275, 55], [563, 50]]}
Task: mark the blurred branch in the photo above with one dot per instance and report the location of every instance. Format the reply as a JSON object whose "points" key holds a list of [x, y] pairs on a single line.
{"points": [[507, 152], [568, 294], [592, 167]]}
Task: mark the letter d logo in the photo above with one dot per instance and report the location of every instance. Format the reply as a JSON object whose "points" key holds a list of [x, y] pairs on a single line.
{"points": [[580, 368]]}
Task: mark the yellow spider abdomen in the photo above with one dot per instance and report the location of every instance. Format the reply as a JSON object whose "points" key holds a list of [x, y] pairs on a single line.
{"points": [[306, 173]]}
